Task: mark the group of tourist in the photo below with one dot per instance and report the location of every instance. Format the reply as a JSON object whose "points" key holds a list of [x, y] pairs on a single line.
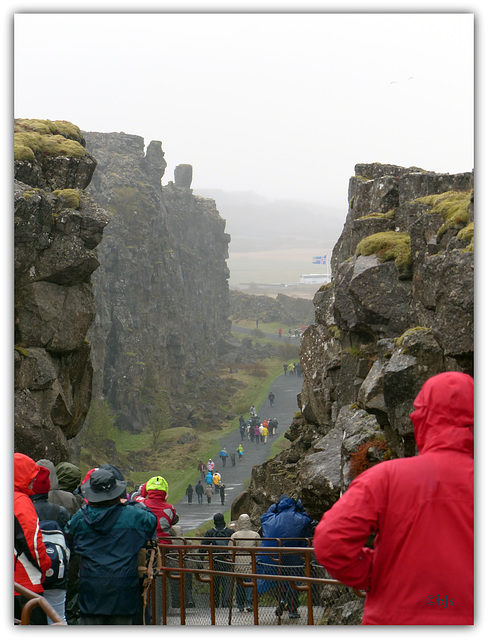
{"points": [[419, 569], [257, 430], [77, 541]]}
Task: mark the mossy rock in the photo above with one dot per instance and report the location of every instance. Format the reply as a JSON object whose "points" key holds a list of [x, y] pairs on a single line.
{"points": [[46, 137], [467, 234], [389, 245], [68, 197], [399, 341], [389, 215], [452, 206]]}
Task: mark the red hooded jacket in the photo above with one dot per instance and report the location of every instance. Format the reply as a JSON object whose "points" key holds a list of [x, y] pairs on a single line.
{"points": [[156, 501], [31, 559], [421, 510]]}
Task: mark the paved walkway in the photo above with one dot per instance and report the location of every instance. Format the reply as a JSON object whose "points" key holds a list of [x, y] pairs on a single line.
{"points": [[286, 389]]}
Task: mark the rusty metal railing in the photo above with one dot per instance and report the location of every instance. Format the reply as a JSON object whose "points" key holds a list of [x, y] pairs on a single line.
{"points": [[35, 600], [205, 564]]}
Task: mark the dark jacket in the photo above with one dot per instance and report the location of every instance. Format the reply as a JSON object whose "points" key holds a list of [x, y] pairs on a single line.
{"points": [[199, 488], [49, 510], [108, 540]]}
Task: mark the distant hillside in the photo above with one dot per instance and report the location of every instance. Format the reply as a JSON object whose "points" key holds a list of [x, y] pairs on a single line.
{"points": [[258, 224]]}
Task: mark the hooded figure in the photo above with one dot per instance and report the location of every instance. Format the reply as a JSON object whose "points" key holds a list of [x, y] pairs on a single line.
{"points": [[221, 535], [287, 520], [420, 570], [30, 557], [157, 492], [47, 510], [244, 536], [56, 494], [108, 535]]}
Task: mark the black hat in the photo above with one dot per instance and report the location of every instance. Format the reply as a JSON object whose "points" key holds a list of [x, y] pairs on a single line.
{"points": [[218, 518], [102, 485]]}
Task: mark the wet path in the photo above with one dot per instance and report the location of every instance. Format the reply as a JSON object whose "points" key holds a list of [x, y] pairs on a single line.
{"points": [[193, 515]]}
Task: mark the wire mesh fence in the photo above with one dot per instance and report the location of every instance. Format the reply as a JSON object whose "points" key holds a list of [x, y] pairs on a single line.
{"points": [[220, 585]]}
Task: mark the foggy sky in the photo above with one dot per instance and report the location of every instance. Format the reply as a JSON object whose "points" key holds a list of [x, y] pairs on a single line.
{"points": [[280, 104]]}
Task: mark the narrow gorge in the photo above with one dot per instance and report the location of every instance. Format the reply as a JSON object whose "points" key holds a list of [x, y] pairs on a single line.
{"points": [[121, 295]]}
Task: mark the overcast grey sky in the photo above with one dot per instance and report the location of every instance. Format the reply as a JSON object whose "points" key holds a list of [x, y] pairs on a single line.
{"points": [[281, 104]]}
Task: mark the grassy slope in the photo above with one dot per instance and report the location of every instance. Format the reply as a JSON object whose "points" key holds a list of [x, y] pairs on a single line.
{"points": [[177, 461]]}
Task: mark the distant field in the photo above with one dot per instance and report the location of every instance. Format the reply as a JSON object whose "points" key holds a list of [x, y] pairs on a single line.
{"points": [[275, 265]]}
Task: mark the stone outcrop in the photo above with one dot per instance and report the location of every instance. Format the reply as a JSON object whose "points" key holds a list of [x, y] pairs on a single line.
{"points": [[161, 291], [57, 229], [399, 309]]}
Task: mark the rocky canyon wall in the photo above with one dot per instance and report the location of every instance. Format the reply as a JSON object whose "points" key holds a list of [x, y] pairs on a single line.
{"points": [[57, 227], [399, 309], [161, 291]]}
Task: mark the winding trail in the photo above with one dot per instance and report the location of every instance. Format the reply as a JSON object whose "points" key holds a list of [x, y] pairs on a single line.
{"points": [[286, 389]]}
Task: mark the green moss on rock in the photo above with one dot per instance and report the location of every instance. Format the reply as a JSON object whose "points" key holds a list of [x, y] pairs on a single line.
{"points": [[467, 234], [389, 215], [46, 137], [399, 341], [452, 206], [389, 245], [68, 197]]}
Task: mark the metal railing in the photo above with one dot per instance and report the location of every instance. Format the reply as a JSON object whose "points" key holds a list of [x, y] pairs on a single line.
{"points": [[196, 578], [35, 600]]}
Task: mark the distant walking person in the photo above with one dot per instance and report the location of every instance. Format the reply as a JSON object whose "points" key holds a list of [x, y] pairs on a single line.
{"points": [[208, 493], [222, 492], [189, 493], [285, 367], [199, 491], [252, 410], [240, 452], [223, 456], [233, 459], [202, 467], [280, 332], [271, 398]]}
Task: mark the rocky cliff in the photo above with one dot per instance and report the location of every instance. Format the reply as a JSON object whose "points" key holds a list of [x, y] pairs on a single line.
{"points": [[399, 309], [161, 291], [57, 228]]}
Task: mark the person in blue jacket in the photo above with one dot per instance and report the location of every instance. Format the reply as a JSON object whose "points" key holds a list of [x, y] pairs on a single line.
{"points": [[288, 521], [108, 535]]}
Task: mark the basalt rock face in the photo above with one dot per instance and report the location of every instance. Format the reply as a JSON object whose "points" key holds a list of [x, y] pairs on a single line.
{"points": [[57, 229], [380, 331], [162, 292]]}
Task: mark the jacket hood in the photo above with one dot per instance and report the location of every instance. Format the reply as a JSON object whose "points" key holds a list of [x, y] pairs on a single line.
{"points": [[25, 470], [69, 476], [444, 413], [102, 519], [156, 494], [219, 521], [53, 478], [243, 522]]}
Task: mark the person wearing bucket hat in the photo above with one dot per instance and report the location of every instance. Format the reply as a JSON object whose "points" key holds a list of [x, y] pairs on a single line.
{"points": [[108, 535], [157, 493]]}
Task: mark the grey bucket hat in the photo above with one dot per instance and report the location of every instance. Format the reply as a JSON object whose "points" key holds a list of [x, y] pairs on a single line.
{"points": [[103, 485]]}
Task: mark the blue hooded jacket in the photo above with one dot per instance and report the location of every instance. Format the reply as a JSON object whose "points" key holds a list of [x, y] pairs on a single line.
{"points": [[287, 519], [108, 540]]}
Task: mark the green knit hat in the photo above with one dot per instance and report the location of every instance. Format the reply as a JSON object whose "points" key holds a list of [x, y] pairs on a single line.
{"points": [[158, 483]]}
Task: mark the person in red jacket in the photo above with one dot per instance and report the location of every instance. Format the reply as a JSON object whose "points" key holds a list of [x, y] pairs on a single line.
{"points": [[157, 493], [30, 556], [420, 569]]}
